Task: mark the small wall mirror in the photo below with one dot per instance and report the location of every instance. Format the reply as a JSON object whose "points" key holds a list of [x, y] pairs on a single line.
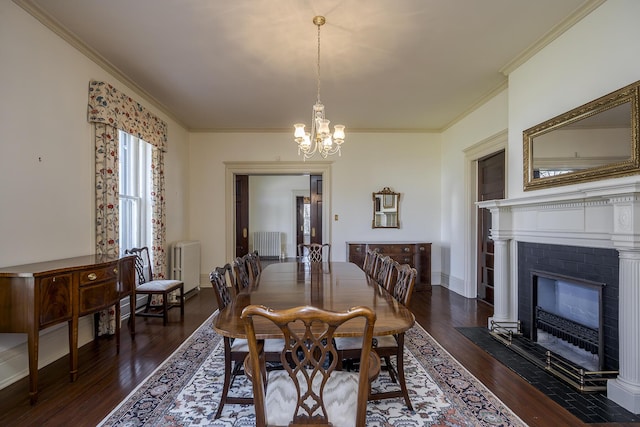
{"points": [[597, 140], [385, 209]]}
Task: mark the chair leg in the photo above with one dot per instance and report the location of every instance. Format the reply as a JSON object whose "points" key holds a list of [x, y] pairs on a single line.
{"points": [[390, 368], [400, 362], [165, 308], [182, 302], [148, 305], [227, 376]]}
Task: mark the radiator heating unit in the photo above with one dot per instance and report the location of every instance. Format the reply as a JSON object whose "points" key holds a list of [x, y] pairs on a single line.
{"points": [[185, 264], [267, 243]]}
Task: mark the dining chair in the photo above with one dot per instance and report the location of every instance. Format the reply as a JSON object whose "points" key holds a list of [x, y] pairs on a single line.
{"points": [[383, 271], [370, 259], [387, 346], [235, 349], [310, 390], [161, 289], [254, 265], [241, 270], [229, 276], [376, 264], [315, 252]]}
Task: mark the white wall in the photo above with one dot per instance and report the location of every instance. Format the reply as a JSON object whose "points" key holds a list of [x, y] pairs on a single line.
{"points": [[408, 163], [595, 57], [47, 165], [458, 190]]}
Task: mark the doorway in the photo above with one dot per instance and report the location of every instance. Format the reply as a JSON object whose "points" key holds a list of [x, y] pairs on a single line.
{"points": [[303, 220], [491, 185], [232, 169]]}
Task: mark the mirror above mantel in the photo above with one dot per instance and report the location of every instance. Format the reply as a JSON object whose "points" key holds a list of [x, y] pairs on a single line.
{"points": [[386, 209], [598, 140]]}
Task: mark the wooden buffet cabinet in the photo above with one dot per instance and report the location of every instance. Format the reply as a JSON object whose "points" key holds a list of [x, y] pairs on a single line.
{"points": [[36, 296], [417, 254]]}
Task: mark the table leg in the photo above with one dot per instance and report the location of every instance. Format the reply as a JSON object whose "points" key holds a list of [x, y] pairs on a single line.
{"points": [[73, 348], [32, 347]]}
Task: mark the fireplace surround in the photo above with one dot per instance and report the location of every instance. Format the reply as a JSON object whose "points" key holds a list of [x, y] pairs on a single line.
{"points": [[598, 217]]}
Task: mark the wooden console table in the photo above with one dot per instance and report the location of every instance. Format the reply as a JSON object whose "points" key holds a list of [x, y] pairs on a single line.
{"points": [[36, 296], [416, 254]]}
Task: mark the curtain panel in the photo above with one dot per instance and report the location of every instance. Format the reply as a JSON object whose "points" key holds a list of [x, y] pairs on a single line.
{"points": [[111, 110]]}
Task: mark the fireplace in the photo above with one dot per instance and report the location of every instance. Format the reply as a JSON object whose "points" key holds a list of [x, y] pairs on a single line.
{"points": [[589, 232], [575, 289], [567, 318]]}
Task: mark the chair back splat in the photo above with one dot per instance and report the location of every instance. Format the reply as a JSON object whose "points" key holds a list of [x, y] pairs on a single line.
{"points": [[310, 390], [254, 265], [218, 279], [315, 252], [404, 283], [241, 269]]}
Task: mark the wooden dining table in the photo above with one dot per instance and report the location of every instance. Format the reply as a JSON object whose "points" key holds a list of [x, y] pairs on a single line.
{"points": [[335, 286]]}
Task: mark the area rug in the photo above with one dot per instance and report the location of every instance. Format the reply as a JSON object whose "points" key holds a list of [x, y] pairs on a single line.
{"points": [[185, 390]]}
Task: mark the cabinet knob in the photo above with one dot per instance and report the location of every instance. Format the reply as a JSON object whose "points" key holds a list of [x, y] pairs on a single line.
{"points": [[92, 276], [422, 248], [406, 249], [115, 270], [358, 249]]}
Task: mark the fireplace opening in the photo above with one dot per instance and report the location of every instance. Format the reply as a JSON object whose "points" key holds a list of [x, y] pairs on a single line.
{"points": [[567, 318]]}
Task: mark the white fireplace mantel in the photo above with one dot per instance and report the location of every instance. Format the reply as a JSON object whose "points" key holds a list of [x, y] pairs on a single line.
{"points": [[605, 216]]}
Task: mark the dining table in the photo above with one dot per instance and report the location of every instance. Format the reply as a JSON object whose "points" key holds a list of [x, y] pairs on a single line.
{"points": [[334, 286]]}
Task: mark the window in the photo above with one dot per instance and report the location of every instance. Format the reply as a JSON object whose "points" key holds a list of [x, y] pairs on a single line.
{"points": [[134, 192]]}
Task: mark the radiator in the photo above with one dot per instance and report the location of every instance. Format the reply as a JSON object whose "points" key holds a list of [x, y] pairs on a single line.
{"points": [[185, 264], [267, 243]]}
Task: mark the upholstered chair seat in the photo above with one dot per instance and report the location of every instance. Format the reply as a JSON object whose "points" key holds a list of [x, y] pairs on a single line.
{"points": [[340, 397]]}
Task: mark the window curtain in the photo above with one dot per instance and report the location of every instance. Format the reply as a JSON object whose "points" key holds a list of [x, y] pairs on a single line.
{"points": [[110, 110]]}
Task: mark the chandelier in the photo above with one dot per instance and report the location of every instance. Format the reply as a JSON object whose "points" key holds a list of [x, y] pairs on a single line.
{"points": [[318, 139]]}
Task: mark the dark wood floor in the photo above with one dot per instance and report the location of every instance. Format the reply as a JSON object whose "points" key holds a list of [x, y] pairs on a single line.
{"points": [[105, 378]]}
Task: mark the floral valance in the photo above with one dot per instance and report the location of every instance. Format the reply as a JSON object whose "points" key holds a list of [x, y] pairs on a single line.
{"points": [[109, 106]]}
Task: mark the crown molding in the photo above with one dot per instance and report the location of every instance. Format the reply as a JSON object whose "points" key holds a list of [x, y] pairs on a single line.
{"points": [[56, 27]]}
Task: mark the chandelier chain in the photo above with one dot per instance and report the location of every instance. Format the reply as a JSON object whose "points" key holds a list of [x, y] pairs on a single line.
{"points": [[318, 63]]}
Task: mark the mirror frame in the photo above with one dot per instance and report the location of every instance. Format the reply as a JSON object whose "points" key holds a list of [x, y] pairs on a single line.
{"points": [[631, 166], [395, 203]]}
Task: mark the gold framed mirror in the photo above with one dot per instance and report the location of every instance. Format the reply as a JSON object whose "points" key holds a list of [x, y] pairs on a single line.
{"points": [[597, 140], [386, 209]]}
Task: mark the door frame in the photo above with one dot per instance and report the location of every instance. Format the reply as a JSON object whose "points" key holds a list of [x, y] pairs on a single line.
{"points": [[274, 168], [493, 144]]}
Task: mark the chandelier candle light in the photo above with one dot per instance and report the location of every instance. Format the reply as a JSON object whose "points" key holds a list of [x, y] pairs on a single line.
{"points": [[319, 139]]}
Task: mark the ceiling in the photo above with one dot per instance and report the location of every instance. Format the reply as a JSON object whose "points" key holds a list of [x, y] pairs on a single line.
{"points": [[386, 65]]}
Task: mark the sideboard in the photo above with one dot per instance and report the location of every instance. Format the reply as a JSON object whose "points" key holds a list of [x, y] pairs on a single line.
{"points": [[36, 296], [416, 254]]}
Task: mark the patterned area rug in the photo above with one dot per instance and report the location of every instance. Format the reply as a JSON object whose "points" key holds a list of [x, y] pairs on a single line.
{"points": [[185, 390]]}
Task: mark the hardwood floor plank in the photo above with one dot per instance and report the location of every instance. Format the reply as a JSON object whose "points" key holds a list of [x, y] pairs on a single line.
{"points": [[105, 378]]}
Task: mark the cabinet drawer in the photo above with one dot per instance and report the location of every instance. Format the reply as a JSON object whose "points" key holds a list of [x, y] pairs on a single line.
{"points": [[55, 299], [393, 249], [403, 259], [98, 296], [89, 277], [358, 250]]}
